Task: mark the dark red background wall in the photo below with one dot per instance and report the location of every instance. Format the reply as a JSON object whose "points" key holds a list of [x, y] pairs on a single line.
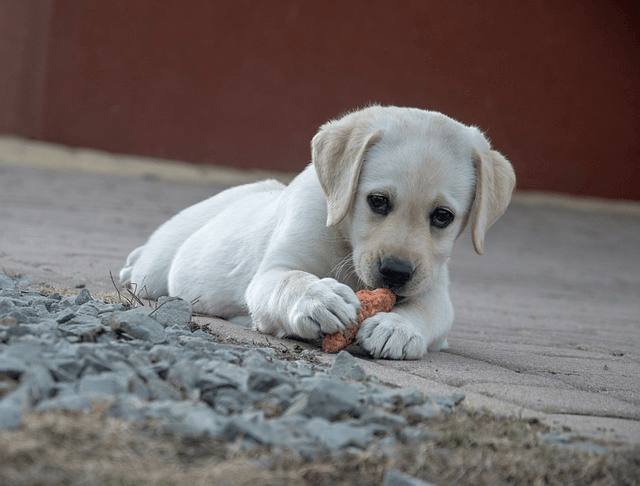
{"points": [[245, 83]]}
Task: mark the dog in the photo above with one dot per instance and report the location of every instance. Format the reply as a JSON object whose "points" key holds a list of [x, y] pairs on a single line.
{"points": [[388, 192]]}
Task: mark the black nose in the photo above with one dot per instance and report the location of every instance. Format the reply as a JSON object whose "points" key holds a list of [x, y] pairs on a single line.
{"points": [[395, 273]]}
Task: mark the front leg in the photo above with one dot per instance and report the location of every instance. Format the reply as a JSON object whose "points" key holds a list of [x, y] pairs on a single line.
{"points": [[296, 303], [412, 327]]}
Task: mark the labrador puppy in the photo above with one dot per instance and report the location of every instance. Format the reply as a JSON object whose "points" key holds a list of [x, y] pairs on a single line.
{"points": [[387, 194]]}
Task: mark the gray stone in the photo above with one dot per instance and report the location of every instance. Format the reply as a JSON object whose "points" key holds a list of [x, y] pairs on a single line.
{"points": [[104, 384], [71, 401], [138, 387], [184, 374], [67, 302], [346, 366], [201, 419], [7, 283], [264, 380], [66, 369], [39, 382], [24, 315], [83, 297], [92, 363], [65, 316], [161, 390], [161, 368], [8, 321], [183, 416], [388, 397], [88, 309], [7, 386], [211, 381], [380, 417], [589, 447], [66, 353], [332, 400], [129, 409], [256, 361], [292, 432], [41, 310], [283, 394], [42, 327], [10, 416], [86, 328], [19, 397], [414, 434], [448, 402], [394, 477], [240, 427], [104, 308], [335, 436], [138, 361], [227, 355], [161, 409], [555, 438], [424, 411], [172, 311], [12, 366], [303, 368], [234, 375], [268, 353], [162, 352], [17, 332], [204, 348], [7, 304], [297, 406], [227, 401], [12, 293], [38, 299], [137, 324]]}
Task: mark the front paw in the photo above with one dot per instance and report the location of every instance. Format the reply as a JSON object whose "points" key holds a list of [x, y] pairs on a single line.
{"points": [[326, 307], [388, 335]]}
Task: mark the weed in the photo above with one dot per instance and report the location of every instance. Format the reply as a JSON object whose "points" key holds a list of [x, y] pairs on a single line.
{"points": [[454, 434]]}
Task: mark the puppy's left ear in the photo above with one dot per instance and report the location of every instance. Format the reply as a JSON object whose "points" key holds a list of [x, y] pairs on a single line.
{"points": [[338, 150], [495, 181]]}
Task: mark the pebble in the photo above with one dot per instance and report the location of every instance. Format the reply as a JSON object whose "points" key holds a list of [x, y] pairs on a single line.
{"points": [[147, 363], [396, 478], [555, 438], [346, 366]]}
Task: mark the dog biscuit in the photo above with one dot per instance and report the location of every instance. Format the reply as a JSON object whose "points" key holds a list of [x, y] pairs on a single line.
{"points": [[372, 302]]}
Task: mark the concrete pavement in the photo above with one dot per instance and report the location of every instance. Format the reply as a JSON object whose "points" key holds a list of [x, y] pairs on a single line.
{"points": [[547, 321]]}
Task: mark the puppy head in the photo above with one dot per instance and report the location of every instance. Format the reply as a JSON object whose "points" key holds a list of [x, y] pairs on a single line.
{"points": [[402, 184]]}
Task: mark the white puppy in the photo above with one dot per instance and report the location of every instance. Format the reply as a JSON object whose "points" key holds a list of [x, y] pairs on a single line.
{"points": [[388, 192]]}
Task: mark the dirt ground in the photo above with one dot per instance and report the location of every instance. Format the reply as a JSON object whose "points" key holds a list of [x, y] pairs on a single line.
{"points": [[77, 448]]}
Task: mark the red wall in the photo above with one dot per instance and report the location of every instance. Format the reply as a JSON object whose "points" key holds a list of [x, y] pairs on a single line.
{"points": [[246, 83], [23, 60]]}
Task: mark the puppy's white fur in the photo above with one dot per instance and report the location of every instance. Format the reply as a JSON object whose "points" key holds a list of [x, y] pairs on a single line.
{"points": [[290, 258]]}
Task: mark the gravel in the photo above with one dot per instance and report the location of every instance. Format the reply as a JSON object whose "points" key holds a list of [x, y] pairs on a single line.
{"points": [[152, 363], [155, 368]]}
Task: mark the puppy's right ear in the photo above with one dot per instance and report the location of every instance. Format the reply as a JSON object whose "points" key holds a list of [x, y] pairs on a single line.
{"points": [[338, 150]]}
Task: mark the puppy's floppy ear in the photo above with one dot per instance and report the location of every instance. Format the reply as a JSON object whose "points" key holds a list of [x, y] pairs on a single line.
{"points": [[495, 181], [338, 150]]}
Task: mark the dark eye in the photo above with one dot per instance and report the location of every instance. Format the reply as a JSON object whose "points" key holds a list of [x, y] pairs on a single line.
{"points": [[379, 204], [441, 218]]}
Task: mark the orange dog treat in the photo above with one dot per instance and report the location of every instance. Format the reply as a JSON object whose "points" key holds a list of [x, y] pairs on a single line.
{"points": [[372, 302]]}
